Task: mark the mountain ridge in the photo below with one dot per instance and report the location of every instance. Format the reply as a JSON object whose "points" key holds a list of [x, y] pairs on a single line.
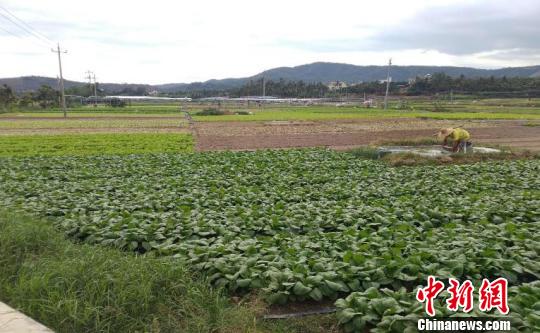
{"points": [[315, 72]]}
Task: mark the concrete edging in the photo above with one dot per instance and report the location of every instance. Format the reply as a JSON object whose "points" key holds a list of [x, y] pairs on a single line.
{"points": [[13, 321]]}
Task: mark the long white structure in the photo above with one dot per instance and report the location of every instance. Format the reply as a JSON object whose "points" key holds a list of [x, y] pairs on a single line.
{"points": [[150, 98]]}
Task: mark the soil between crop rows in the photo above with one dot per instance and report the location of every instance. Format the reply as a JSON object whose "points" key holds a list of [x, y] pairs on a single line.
{"points": [[347, 134]]}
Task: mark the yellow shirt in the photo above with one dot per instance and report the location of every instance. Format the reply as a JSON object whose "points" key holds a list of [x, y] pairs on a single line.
{"points": [[460, 134]]}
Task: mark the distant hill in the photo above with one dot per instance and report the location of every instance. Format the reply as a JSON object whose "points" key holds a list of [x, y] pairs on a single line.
{"points": [[326, 72], [315, 72], [32, 83]]}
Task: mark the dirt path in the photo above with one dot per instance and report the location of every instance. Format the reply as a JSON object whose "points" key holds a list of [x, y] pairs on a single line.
{"points": [[346, 134]]}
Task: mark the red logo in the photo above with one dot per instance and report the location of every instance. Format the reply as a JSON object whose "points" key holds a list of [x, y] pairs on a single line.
{"points": [[460, 296], [429, 293], [494, 295], [491, 295]]}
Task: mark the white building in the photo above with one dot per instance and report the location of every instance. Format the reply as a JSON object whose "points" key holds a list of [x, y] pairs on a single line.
{"points": [[335, 85]]}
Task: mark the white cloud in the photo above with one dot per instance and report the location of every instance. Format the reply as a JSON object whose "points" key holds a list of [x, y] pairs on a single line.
{"points": [[182, 41]]}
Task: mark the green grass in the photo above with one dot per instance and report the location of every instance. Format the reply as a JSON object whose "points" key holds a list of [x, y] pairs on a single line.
{"points": [[81, 288], [330, 113], [316, 113], [502, 115], [94, 144], [421, 141], [368, 153], [515, 109], [410, 159]]}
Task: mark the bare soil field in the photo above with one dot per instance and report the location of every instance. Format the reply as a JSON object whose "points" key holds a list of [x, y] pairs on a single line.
{"points": [[352, 133]]}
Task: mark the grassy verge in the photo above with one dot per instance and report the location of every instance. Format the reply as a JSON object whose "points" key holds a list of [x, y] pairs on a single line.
{"points": [[334, 113], [421, 141], [409, 159], [94, 144], [82, 288]]}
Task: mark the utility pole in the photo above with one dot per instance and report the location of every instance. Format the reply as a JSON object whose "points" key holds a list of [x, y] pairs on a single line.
{"points": [[58, 87], [387, 84], [92, 75], [263, 87], [95, 91], [59, 52], [89, 78]]}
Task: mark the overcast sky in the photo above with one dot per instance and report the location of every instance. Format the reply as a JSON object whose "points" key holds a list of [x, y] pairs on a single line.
{"points": [[183, 41]]}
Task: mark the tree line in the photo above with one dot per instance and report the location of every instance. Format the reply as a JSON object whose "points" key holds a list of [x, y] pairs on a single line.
{"points": [[440, 82], [427, 85], [280, 88], [46, 97]]}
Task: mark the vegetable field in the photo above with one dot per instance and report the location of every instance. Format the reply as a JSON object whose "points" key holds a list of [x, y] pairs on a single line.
{"points": [[93, 123], [94, 144], [300, 224]]}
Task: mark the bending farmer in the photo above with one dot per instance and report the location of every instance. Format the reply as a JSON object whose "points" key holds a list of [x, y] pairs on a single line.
{"points": [[459, 137]]}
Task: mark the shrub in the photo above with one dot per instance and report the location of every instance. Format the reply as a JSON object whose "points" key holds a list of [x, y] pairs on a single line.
{"points": [[213, 112]]}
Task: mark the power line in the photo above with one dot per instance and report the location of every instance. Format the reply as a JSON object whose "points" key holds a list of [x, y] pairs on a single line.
{"points": [[27, 26], [44, 42], [36, 39], [42, 39], [21, 37], [10, 33]]}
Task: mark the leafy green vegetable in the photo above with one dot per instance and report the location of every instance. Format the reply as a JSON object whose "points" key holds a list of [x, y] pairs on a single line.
{"points": [[94, 144], [297, 224], [398, 311]]}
